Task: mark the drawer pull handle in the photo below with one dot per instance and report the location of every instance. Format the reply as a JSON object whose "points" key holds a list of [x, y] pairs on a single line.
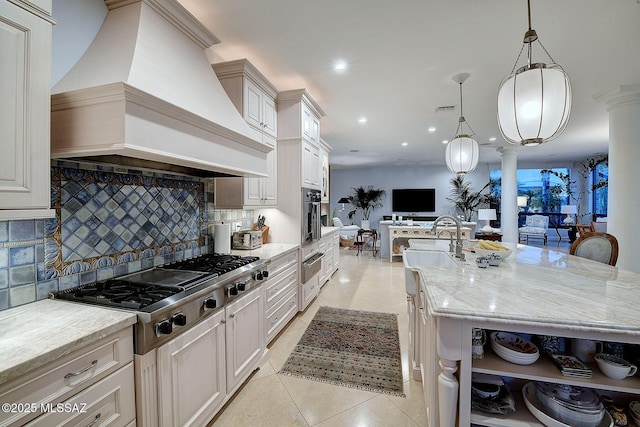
{"points": [[232, 315], [223, 321], [82, 371], [95, 420]]}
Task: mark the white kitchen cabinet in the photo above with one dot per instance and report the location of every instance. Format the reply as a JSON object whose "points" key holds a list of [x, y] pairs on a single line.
{"points": [[324, 171], [245, 337], [191, 374], [250, 193], [330, 249], [188, 379], [99, 375], [254, 97], [311, 166], [25, 109], [299, 136], [281, 293]]}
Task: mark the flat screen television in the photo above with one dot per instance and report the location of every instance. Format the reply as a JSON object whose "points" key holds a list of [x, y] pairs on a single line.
{"points": [[413, 200]]}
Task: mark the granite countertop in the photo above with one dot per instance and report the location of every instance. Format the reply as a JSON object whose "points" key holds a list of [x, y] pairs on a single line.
{"points": [[537, 286], [35, 334], [267, 251]]}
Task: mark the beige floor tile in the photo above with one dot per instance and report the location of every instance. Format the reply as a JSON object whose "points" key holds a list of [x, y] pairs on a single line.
{"points": [[376, 412], [413, 405], [319, 401], [263, 402]]}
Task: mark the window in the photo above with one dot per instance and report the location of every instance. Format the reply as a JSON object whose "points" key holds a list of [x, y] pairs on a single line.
{"points": [[545, 189], [600, 181]]}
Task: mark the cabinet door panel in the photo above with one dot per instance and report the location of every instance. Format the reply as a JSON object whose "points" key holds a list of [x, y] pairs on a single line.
{"points": [[269, 117], [25, 43], [191, 374], [245, 335], [253, 104]]}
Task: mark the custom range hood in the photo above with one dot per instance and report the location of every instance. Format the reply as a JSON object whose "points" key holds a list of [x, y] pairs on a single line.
{"points": [[144, 95]]}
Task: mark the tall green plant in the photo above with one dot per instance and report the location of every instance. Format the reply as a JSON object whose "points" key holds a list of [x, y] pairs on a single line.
{"points": [[366, 199], [465, 199]]}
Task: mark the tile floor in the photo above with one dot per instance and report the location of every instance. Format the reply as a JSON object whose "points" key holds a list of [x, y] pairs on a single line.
{"points": [[268, 399]]}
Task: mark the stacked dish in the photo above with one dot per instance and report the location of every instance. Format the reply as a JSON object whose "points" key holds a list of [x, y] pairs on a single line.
{"points": [[513, 348], [567, 406]]}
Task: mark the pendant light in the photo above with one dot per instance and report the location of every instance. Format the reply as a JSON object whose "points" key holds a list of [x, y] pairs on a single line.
{"points": [[534, 101], [461, 153]]}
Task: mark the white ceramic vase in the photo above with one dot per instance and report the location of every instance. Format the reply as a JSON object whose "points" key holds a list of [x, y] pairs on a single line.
{"points": [[365, 224]]}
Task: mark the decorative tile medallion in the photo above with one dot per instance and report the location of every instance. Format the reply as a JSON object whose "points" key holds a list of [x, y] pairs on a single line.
{"points": [[106, 218]]}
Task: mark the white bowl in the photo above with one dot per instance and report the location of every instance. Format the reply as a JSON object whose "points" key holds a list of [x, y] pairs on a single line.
{"points": [[485, 252], [615, 367], [514, 343]]}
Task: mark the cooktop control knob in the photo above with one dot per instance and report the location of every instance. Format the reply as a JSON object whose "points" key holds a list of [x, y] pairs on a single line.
{"points": [[258, 276], [241, 286], [164, 327], [179, 319], [265, 273], [233, 290], [209, 303]]}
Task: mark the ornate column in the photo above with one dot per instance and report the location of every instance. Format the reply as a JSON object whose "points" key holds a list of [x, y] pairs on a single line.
{"points": [[624, 171], [509, 196]]}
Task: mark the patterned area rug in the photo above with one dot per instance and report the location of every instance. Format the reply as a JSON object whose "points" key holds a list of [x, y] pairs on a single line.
{"points": [[351, 348]]}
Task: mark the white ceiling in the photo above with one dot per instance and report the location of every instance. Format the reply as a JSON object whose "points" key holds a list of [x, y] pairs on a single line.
{"points": [[402, 55]]}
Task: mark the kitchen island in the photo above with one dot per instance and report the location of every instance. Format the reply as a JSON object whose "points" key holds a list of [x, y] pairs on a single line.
{"points": [[534, 291]]}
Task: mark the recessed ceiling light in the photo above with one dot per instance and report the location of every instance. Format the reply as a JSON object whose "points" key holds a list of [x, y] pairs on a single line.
{"points": [[493, 138], [362, 120], [340, 66], [404, 144], [444, 141], [432, 129]]}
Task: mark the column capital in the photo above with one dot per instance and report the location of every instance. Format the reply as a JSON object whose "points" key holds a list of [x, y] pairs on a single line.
{"points": [[624, 94], [507, 150]]}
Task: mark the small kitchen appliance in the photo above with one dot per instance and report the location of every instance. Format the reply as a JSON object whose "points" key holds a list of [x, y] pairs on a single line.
{"points": [[247, 239]]}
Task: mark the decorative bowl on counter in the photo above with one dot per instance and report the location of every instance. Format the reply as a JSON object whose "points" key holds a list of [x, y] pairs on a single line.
{"points": [[486, 252], [538, 410], [513, 348]]}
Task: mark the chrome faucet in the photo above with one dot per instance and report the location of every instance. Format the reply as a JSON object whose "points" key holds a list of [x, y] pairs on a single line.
{"points": [[434, 229], [451, 246]]}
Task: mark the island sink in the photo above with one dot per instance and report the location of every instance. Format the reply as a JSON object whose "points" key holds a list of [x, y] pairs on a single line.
{"points": [[420, 257]]}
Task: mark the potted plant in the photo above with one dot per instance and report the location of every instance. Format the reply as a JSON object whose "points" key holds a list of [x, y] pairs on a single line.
{"points": [[366, 199], [465, 199]]}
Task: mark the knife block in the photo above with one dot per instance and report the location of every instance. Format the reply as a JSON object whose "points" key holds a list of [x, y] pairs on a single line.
{"points": [[265, 232]]}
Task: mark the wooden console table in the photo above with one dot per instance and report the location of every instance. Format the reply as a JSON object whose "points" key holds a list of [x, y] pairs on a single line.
{"points": [[399, 236], [483, 235]]}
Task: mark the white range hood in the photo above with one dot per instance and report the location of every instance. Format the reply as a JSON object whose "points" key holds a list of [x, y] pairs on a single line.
{"points": [[144, 95]]}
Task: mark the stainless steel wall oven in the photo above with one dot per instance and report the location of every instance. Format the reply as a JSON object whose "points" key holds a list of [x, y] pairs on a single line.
{"points": [[310, 215]]}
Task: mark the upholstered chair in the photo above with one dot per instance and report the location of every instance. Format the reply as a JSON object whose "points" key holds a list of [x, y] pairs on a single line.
{"points": [[535, 226], [602, 247], [346, 231]]}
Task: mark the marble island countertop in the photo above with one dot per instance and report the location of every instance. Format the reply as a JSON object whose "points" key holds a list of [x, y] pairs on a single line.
{"points": [[267, 251], [35, 334], [537, 286]]}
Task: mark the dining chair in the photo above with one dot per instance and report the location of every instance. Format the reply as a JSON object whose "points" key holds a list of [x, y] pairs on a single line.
{"points": [[602, 247], [584, 228]]}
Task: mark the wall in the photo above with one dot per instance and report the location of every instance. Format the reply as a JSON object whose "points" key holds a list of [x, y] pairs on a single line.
{"points": [[389, 177], [109, 222]]}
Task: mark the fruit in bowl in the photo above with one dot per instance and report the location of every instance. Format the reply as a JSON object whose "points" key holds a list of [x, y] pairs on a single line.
{"points": [[486, 247]]}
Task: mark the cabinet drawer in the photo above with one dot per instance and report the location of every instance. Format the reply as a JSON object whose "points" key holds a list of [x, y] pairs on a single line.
{"points": [[281, 263], [61, 379], [281, 314], [109, 402], [278, 287]]}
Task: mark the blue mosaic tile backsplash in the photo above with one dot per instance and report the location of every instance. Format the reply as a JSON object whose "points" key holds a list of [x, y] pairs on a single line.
{"points": [[109, 222]]}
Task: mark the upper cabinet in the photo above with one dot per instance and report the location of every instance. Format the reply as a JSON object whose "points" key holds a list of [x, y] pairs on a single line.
{"points": [[25, 109], [299, 129], [325, 149], [254, 97], [251, 93]]}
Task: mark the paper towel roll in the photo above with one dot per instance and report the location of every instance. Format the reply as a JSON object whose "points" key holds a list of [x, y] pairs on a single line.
{"points": [[222, 238]]}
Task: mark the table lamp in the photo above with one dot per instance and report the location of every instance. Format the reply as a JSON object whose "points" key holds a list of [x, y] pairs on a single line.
{"points": [[570, 211], [522, 201], [342, 201], [487, 215]]}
